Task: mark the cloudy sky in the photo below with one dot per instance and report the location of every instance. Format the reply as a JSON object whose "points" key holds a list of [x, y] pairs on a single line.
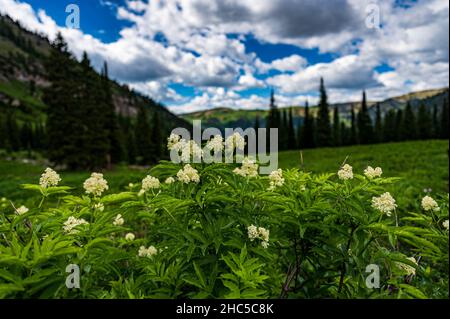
{"points": [[199, 54]]}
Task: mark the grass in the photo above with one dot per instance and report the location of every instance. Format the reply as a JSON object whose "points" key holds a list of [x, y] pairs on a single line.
{"points": [[420, 164]]}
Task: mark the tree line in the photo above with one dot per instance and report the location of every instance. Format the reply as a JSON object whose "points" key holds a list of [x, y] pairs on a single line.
{"points": [[326, 129], [83, 129]]}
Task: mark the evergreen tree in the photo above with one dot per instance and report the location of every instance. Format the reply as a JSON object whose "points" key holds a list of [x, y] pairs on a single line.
{"points": [[273, 119], [156, 138], [116, 151], [13, 132], [291, 132], [408, 126], [143, 137], [353, 129], [365, 127], [65, 127], [26, 136], [399, 134], [345, 134], [389, 126], [323, 120], [256, 126], [424, 123], [436, 124], [444, 131], [307, 134], [283, 131], [378, 125], [337, 138]]}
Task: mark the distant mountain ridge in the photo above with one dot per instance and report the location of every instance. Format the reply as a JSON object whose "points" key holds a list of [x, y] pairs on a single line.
{"points": [[223, 117], [22, 77]]}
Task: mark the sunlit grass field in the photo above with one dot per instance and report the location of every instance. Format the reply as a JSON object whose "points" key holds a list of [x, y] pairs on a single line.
{"points": [[420, 165]]}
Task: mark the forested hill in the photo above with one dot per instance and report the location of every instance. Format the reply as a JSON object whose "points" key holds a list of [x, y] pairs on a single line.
{"points": [[23, 78]]}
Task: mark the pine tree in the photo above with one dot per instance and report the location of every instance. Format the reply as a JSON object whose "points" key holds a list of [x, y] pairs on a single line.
{"points": [[424, 123], [408, 125], [307, 138], [337, 138], [283, 131], [116, 151], [323, 120], [389, 126], [378, 125], [65, 127], [143, 137], [436, 124], [345, 134], [273, 119], [353, 129], [291, 132], [444, 132], [256, 126], [156, 138], [399, 134], [13, 132], [365, 127]]}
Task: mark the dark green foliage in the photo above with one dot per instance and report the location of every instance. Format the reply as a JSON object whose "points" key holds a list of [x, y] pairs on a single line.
{"points": [[424, 123], [156, 138], [307, 131], [353, 128], [390, 126], [365, 128], [324, 137], [143, 138], [292, 142], [337, 138], [378, 137], [408, 127], [444, 132]]}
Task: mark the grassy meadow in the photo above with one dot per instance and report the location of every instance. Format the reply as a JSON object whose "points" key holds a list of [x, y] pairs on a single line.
{"points": [[420, 165]]}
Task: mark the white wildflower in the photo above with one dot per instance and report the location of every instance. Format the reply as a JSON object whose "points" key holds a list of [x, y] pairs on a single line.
{"points": [[118, 221], [99, 206], [264, 233], [429, 203], [170, 180], [215, 144], [191, 149], [150, 182], [346, 172], [445, 224], [73, 222], [172, 140], [276, 179], [410, 270], [385, 203], [252, 232], [371, 172], [22, 210], [147, 252], [95, 184], [188, 174], [235, 141], [130, 237], [49, 178], [249, 168], [265, 244]]}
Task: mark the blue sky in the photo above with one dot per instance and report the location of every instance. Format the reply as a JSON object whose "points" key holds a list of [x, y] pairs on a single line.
{"points": [[200, 54]]}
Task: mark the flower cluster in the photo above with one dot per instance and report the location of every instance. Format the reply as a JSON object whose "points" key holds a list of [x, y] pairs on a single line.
{"points": [[71, 223], [170, 180], [99, 207], [249, 168], [147, 252], [95, 184], [258, 233], [188, 174], [130, 237], [172, 140], [215, 144], [445, 224], [22, 210], [150, 182], [190, 150], [410, 270], [385, 203], [346, 172], [235, 141], [428, 203], [276, 179], [371, 172], [49, 178], [118, 221]]}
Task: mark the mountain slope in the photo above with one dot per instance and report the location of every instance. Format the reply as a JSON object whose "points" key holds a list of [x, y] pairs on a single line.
{"points": [[226, 117], [22, 77]]}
